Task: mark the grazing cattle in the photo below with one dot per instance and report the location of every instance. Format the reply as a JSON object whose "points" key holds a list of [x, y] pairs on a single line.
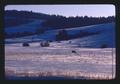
{"points": [[73, 51]]}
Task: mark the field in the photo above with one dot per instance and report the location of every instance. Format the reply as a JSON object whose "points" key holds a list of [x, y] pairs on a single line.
{"points": [[60, 60], [79, 58]]}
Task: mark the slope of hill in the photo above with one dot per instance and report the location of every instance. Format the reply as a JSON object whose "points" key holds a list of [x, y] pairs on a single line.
{"points": [[16, 18], [13, 21], [29, 27], [106, 36]]}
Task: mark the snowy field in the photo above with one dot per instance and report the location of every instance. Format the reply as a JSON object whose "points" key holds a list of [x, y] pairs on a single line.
{"points": [[59, 60], [77, 58]]}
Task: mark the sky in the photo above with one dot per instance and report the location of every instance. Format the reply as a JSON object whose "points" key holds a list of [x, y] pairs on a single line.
{"points": [[95, 10]]}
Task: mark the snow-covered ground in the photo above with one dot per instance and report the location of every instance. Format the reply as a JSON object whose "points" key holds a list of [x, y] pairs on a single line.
{"points": [[106, 36], [58, 60], [73, 58]]}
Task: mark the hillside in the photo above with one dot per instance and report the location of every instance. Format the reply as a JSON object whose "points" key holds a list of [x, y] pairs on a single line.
{"points": [[25, 23], [106, 35], [29, 27]]}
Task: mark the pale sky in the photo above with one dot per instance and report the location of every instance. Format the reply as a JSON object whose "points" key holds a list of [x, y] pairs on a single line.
{"points": [[95, 10]]}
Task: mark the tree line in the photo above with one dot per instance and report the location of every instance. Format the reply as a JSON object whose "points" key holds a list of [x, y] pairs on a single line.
{"points": [[55, 21], [63, 22], [14, 17]]}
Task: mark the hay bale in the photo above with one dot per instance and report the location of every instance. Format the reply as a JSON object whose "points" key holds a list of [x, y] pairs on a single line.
{"points": [[25, 44], [45, 44]]}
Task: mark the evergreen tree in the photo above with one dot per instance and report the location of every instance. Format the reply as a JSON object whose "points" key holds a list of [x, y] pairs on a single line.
{"points": [[62, 35]]}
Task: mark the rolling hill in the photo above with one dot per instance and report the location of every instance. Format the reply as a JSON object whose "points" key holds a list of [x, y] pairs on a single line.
{"points": [[105, 35]]}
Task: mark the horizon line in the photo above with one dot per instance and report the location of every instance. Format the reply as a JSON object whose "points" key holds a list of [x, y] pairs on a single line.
{"points": [[59, 14]]}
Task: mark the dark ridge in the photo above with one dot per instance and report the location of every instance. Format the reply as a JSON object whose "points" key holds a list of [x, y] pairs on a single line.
{"points": [[56, 21]]}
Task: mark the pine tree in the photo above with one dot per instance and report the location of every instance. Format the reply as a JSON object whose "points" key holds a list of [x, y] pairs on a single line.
{"points": [[62, 35]]}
